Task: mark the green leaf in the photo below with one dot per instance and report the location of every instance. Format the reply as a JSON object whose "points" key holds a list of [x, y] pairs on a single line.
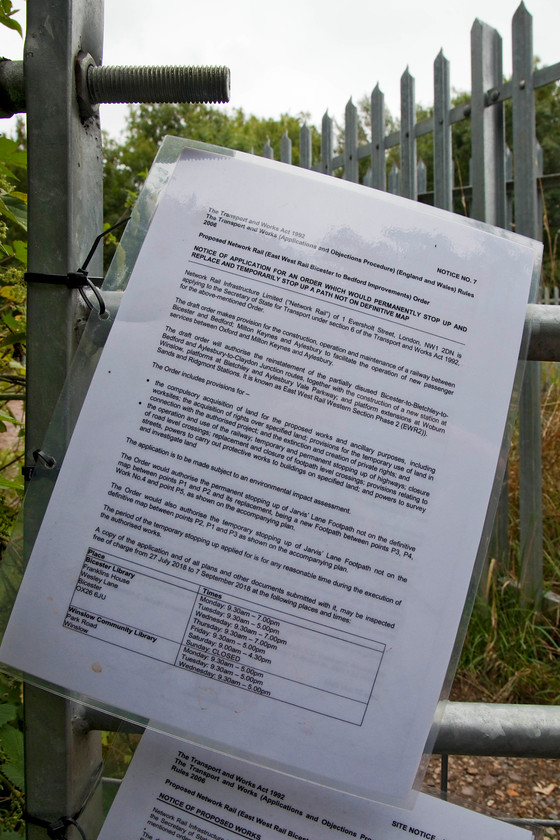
{"points": [[9, 320], [10, 153], [14, 773], [20, 251], [11, 741], [10, 292], [15, 209], [7, 712], [6, 16], [11, 24], [7, 418], [12, 483], [9, 341], [7, 173]]}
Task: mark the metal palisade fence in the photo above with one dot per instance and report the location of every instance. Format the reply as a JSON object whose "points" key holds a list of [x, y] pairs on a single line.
{"points": [[505, 190]]}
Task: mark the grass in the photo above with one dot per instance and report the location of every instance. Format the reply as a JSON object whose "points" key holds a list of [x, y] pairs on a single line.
{"points": [[512, 652]]}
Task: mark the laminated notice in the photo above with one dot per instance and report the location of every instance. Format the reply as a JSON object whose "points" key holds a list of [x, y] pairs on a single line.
{"points": [[173, 790], [267, 519]]}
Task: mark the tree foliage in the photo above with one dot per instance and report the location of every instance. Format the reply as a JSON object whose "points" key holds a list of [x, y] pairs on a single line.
{"points": [[127, 161], [13, 258], [7, 13]]}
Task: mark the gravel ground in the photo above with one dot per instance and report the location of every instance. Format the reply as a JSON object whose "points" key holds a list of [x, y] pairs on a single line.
{"points": [[523, 788], [503, 787]]}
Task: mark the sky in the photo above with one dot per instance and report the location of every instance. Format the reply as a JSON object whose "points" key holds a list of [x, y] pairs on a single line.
{"points": [[307, 56]]}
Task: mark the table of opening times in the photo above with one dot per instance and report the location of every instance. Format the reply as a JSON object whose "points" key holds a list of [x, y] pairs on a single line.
{"points": [[224, 637]]}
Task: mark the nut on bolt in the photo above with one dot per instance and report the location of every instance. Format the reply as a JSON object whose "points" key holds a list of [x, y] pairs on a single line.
{"points": [[86, 107]]}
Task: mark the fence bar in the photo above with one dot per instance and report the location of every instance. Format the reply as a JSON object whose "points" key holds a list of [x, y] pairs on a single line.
{"points": [[408, 137], [327, 144], [546, 75], [465, 729], [351, 143], [65, 215], [443, 165], [499, 544], [544, 321], [487, 168], [499, 729], [528, 222], [285, 148], [305, 147], [487, 122], [377, 161]]}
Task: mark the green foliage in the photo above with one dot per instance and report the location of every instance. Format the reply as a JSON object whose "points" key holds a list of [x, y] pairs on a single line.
{"points": [[6, 16], [547, 103], [128, 161], [511, 652], [550, 452], [13, 256], [118, 749], [11, 760]]}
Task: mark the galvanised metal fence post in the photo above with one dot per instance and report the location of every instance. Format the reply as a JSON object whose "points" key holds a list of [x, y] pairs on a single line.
{"points": [[377, 159], [487, 126], [488, 180], [65, 215], [409, 187], [63, 83], [528, 221]]}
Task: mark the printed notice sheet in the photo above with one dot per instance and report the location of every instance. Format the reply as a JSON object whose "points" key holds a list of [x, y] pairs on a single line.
{"points": [[171, 790], [264, 529]]}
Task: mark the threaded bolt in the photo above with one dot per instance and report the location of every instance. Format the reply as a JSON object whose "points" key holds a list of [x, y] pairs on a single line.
{"points": [[158, 84], [98, 85]]}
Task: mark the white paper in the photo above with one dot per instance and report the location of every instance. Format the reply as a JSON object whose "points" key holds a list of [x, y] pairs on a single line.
{"points": [[267, 519], [171, 790]]}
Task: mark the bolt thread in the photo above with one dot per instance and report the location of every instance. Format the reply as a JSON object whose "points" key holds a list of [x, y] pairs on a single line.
{"points": [[158, 84]]}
